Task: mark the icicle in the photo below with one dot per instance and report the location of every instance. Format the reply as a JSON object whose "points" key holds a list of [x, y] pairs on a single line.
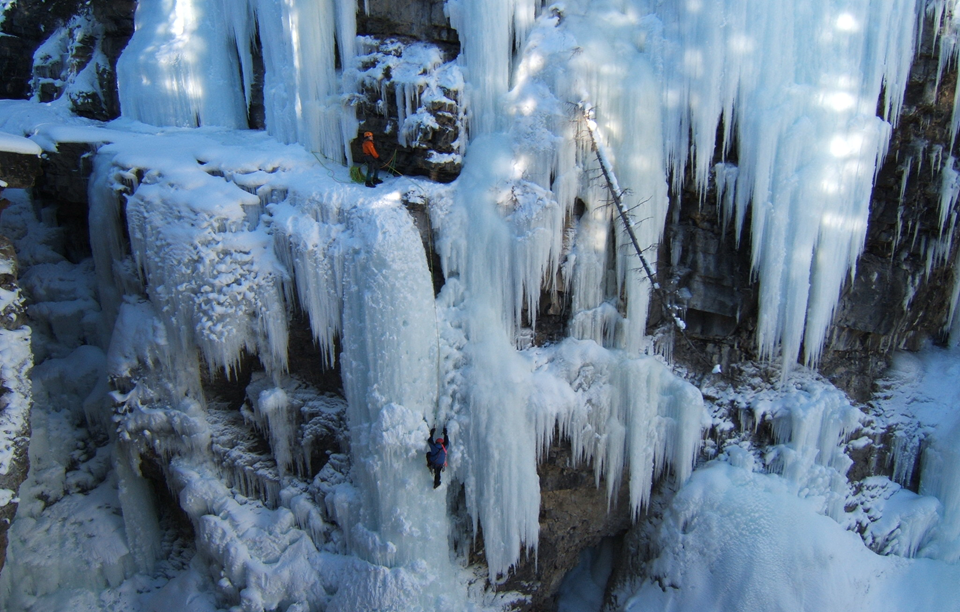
{"points": [[489, 31], [300, 88], [313, 251], [180, 67]]}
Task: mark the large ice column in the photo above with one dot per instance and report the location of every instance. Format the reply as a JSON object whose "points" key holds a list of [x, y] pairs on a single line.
{"points": [[180, 67], [115, 274], [301, 89], [798, 86], [488, 273], [390, 371], [489, 34], [190, 62]]}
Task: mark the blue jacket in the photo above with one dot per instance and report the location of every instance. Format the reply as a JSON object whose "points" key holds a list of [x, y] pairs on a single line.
{"points": [[437, 457]]}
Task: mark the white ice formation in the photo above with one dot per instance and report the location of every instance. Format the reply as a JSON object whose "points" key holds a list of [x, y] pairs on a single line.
{"points": [[231, 232]]}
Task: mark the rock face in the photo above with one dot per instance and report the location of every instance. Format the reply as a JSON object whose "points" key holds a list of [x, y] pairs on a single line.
{"points": [[66, 47], [17, 170], [420, 19], [14, 391]]}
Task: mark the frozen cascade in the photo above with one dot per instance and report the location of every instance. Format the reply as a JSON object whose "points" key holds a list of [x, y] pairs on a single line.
{"points": [[620, 412], [390, 369], [254, 243], [591, 62], [477, 247], [489, 32], [300, 89], [507, 404], [940, 477]]}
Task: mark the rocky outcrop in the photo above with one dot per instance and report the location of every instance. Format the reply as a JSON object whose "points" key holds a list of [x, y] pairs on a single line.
{"points": [[420, 19], [410, 98], [16, 361], [66, 48]]}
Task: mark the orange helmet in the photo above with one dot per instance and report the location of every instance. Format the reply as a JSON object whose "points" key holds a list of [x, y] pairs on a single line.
{"points": [[368, 134]]}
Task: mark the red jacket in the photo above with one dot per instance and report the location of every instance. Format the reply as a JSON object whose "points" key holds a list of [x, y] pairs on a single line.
{"points": [[370, 150]]}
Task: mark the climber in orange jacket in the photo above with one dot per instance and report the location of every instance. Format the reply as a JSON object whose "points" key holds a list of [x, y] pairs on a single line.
{"points": [[372, 158]]}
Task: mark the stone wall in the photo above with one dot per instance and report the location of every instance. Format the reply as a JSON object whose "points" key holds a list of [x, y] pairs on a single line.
{"points": [[420, 19]]}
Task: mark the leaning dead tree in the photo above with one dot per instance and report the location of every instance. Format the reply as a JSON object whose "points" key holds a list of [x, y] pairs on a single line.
{"points": [[668, 301]]}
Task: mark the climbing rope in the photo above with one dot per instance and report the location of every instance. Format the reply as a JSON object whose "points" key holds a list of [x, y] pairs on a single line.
{"points": [[390, 164], [330, 170]]}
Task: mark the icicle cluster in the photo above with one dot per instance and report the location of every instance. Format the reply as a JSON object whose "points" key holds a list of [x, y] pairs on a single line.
{"points": [[802, 113], [190, 63]]}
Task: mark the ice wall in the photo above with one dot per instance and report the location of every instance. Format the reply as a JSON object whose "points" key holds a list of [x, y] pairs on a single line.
{"points": [[190, 63], [499, 241], [179, 67]]}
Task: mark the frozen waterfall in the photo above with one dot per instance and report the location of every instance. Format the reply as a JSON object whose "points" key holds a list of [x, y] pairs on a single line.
{"points": [[211, 242]]}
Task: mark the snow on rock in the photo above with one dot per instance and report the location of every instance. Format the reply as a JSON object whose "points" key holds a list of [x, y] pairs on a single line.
{"points": [[34, 241], [12, 143], [79, 543], [265, 559], [919, 399], [16, 359], [71, 65], [810, 422], [736, 540], [414, 82]]}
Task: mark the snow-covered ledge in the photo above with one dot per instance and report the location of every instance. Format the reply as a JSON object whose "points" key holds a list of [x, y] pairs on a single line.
{"points": [[19, 161]]}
